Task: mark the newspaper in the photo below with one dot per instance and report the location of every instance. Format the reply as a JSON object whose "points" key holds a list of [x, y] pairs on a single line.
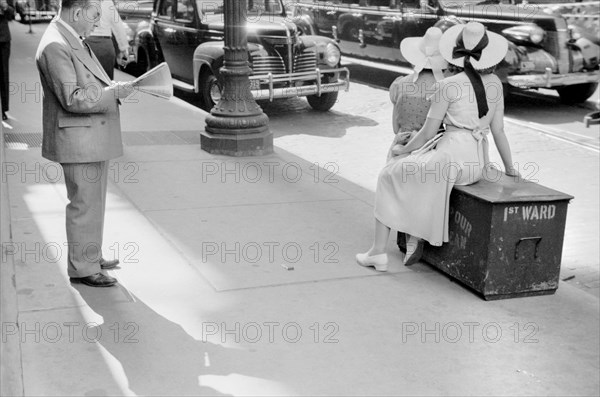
{"points": [[157, 81]]}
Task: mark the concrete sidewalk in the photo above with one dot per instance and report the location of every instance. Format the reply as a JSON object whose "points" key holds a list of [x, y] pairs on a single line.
{"points": [[208, 304]]}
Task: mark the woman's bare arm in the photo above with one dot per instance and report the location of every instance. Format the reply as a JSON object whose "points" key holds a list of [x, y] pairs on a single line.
{"points": [[497, 128]]}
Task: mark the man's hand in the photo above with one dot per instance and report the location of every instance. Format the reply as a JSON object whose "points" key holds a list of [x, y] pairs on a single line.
{"points": [[123, 57], [122, 89]]}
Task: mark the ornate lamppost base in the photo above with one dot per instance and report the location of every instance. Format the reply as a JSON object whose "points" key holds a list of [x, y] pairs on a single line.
{"points": [[238, 134], [239, 145]]}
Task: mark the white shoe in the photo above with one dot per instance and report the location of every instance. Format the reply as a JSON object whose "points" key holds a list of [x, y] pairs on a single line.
{"points": [[379, 262]]}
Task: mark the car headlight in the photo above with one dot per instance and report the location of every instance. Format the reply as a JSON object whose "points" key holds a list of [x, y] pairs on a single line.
{"points": [[536, 34], [530, 33], [332, 55]]}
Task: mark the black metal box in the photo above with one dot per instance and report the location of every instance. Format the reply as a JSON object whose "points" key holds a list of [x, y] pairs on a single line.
{"points": [[505, 238]]}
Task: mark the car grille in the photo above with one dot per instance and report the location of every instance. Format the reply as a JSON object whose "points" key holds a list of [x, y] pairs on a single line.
{"points": [[305, 62], [268, 64], [275, 64]]}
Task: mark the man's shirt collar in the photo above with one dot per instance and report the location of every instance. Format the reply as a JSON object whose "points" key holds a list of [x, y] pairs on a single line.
{"points": [[70, 29]]}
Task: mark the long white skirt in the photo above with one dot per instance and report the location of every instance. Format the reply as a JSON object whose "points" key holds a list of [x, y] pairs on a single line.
{"points": [[413, 192]]}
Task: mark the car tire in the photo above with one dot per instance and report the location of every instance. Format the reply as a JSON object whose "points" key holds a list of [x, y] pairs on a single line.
{"points": [[141, 66], [350, 32], [576, 93], [210, 90], [506, 90], [23, 17], [324, 102]]}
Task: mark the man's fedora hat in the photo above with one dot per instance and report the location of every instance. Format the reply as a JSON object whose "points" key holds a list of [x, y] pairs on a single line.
{"points": [[485, 49], [424, 52]]}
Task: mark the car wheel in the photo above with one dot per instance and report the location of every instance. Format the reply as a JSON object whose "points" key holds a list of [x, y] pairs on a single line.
{"points": [[506, 90], [350, 32], [141, 66], [324, 102], [210, 90], [576, 93]]}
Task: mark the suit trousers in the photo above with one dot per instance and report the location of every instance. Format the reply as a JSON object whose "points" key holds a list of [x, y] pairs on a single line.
{"points": [[86, 189], [4, 79], [104, 49]]}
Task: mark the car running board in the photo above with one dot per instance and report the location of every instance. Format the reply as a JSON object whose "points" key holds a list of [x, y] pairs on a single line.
{"points": [[183, 86]]}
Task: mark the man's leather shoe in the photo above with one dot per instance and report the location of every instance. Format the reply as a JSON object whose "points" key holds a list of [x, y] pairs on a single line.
{"points": [[106, 265], [97, 280]]}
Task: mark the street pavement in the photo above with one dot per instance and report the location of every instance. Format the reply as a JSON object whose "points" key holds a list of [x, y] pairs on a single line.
{"points": [[238, 276]]}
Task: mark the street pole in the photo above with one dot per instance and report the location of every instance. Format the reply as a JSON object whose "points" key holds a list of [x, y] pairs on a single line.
{"points": [[236, 126], [29, 16]]}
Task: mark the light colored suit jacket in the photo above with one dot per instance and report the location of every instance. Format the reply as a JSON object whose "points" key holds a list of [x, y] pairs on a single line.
{"points": [[81, 121]]}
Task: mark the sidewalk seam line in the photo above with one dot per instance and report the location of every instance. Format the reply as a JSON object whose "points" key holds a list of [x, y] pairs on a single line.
{"points": [[247, 205]]}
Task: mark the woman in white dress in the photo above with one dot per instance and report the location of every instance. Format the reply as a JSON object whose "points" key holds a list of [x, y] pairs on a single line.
{"points": [[413, 190]]}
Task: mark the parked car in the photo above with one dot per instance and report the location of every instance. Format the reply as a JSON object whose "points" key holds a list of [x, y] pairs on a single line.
{"points": [[135, 14], [583, 18], [189, 36], [542, 51], [36, 10]]}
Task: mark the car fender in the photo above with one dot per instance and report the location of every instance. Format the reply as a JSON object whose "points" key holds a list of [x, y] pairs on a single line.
{"points": [[207, 55], [320, 42], [447, 22], [210, 56], [346, 19], [306, 24]]}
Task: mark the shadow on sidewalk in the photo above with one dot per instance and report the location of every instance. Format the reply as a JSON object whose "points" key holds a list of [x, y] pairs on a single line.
{"points": [[158, 357], [333, 124]]}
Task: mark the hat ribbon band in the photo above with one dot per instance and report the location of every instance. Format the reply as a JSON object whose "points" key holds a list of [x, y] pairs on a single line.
{"points": [[474, 77]]}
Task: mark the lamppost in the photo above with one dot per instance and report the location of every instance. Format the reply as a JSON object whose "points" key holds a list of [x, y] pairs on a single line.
{"points": [[236, 125]]}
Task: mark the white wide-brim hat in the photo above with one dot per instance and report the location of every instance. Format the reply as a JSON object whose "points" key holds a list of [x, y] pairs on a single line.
{"points": [[424, 51], [472, 32]]}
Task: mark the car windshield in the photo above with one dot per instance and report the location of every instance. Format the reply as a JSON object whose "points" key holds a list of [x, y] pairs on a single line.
{"points": [[255, 7]]}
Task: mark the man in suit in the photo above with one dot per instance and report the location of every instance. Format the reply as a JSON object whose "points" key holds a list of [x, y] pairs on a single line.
{"points": [[81, 131]]}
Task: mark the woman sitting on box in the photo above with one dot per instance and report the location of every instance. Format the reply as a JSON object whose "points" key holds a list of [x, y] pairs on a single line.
{"points": [[413, 189], [410, 93]]}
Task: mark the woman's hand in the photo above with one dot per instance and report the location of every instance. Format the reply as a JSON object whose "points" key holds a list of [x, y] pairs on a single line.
{"points": [[397, 150], [402, 138]]}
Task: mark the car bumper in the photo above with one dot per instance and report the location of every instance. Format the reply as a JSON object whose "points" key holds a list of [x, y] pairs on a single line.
{"points": [[298, 84], [549, 79]]}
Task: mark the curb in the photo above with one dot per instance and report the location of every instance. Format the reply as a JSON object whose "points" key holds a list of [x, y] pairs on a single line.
{"points": [[11, 370]]}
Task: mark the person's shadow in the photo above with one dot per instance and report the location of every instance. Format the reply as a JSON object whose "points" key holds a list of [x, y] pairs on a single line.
{"points": [[157, 355]]}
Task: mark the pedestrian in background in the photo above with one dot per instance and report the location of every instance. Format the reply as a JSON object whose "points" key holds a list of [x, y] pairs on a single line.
{"points": [[7, 13], [409, 93], [81, 131], [413, 190], [101, 38]]}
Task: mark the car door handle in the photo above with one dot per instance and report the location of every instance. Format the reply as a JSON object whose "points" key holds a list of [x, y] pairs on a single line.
{"points": [[169, 30]]}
